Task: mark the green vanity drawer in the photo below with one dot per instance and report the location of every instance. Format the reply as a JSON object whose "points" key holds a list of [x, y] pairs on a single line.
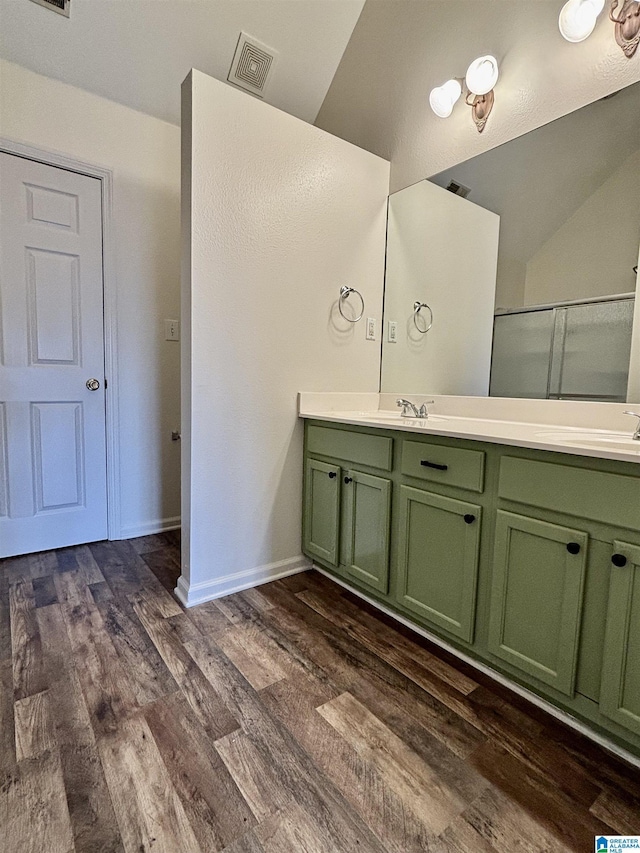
{"points": [[375, 451], [596, 495], [464, 468]]}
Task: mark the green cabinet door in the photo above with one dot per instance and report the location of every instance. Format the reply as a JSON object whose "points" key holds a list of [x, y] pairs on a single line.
{"points": [[438, 556], [321, 510], [365, 528], [620, 687], [536, 598]]}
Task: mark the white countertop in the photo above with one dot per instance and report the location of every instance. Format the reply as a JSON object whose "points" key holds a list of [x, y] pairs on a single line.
{"points": [[593, 441]]}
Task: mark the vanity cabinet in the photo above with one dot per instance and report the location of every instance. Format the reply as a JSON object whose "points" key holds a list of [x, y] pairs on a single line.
{"points": [[536, 620], [537, 590], [438, 547], [347, 511], [527, 560], [322, 510], [620, 689], [438, 559], [364, 540], [438, 541]]}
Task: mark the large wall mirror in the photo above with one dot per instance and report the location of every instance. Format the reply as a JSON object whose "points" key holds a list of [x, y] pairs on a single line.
{"points": [[523, 262]]}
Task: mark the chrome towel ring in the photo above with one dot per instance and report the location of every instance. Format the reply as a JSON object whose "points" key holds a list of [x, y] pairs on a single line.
{"points": [[417, 307], [344, 294]]}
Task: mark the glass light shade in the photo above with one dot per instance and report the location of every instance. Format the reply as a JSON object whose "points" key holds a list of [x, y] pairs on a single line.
{"points": [[578, 19], [482, 75], [443, 98]]}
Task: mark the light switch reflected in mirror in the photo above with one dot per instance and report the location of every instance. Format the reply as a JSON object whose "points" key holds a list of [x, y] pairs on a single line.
{"points": [[567, 199]]}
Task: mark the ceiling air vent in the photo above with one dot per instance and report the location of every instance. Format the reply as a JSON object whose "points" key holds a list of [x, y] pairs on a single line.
{"points": [[252, 65], [59, 6], [458, 189]]}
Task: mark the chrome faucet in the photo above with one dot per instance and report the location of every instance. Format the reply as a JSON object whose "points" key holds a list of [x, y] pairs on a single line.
{"points": [[636, 435], [410, 410]]}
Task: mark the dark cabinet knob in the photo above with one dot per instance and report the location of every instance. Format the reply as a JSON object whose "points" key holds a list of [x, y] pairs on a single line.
{"points": [[573, 548], [348, 480], [332, 475], [619, 560], [469, 519]]}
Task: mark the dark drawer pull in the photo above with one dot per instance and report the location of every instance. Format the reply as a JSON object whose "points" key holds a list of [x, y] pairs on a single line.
{"points": [[619, 560], [469, 519], [332, 475], [348, 480], [435, 465], [573, 548]]}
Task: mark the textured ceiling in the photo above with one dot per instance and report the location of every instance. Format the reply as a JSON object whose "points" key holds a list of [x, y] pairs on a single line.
{"points": [[137, 52]]}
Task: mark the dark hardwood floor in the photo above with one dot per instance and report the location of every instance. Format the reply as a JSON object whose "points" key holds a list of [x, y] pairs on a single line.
{"points": [[286, 719]]}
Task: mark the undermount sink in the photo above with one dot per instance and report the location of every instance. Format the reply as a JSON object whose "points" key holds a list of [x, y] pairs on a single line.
{"points": [[596, 439]]}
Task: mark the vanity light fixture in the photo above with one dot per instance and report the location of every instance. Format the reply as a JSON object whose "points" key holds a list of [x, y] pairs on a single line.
{"points": [[481, 77], [627, 21], [444, 98], [578, 19]]}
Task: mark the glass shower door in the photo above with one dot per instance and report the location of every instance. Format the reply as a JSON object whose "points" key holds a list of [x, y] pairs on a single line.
{"points": [[591, 350], [521, 354]]}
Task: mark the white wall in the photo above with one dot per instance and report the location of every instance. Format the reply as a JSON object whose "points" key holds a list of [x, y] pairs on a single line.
{"points": [[437, 243], [144, 154], [401, 49], [593, 253], [280, 215], [510, 281]]}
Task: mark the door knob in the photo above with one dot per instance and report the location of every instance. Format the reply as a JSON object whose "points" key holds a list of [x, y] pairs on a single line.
{"points": [[573, 548], [93, 384], [619, 560]]}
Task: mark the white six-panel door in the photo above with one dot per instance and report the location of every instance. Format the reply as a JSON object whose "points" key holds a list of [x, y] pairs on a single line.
{"points": [[52, 427]]}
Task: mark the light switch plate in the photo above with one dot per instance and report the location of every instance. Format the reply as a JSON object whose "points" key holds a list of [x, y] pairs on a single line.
{"points": [[172, 330], [371, 328], [393, 332]]}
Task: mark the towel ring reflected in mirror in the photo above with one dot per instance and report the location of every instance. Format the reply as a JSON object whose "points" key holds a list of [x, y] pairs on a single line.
{"points": [[417, 307], [345, 292]]}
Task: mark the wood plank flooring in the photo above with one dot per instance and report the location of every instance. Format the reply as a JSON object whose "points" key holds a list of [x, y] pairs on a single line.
{"points": [[287, 719]]}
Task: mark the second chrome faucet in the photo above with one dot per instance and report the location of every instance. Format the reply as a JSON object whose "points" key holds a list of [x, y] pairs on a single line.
{"points": [[410, 410]]}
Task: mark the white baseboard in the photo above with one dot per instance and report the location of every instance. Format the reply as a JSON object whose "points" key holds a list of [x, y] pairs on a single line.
{"points": [[160, 525], [563, 716], [192, 594]]}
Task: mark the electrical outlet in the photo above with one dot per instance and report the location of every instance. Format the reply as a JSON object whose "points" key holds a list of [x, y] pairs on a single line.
{"points": [[393, 332], [371, 328], [172, 330]]}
